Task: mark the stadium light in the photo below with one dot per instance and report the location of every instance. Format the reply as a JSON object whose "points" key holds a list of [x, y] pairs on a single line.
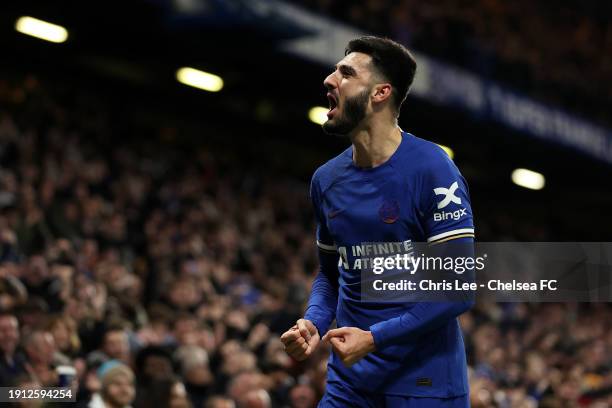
{"points": [[528, 179], [318, 114], [448, 151], [41, 29], [199, 79]]}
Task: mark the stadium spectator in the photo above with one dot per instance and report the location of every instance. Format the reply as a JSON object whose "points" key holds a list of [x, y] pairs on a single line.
{"points": [[168, 392], [65, 336], [13, 293], [43, 357], [13, 363], [303, 396], [195, 370], [117, 386], [115, 344]]}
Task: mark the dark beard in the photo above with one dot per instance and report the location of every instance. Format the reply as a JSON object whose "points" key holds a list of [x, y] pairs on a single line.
{"points": [[354, 112]]}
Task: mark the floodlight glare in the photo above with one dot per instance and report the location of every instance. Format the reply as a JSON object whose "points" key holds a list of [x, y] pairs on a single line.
{"points": [[41, 29], [528, 179], [448, 151], [318, 114], [199, 79]]}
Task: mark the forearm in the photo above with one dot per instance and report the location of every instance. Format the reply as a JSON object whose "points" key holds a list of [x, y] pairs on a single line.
{"points": [[424, 317], [323, 301]]}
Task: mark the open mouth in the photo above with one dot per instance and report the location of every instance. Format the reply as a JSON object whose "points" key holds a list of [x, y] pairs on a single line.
{"points": [[333, 104]]}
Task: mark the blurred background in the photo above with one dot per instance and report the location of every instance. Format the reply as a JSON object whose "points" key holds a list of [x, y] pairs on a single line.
{"points": [[155, 229]]}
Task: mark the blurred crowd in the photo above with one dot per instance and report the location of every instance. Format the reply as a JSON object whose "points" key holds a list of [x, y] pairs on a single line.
{"points": [[164, 276], [554, 51]]}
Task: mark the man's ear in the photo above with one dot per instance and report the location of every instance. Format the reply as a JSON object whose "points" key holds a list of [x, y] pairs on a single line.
{"points": [[382, 92]]}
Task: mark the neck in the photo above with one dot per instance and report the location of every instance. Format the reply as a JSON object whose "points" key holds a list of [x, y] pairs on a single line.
{"points": [[109, 403], [375, 144]]}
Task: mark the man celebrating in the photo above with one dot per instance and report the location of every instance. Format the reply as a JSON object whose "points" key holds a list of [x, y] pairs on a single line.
{"points": [[389, 186]]}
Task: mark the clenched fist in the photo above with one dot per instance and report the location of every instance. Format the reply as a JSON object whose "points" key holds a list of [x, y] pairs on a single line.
{"points": [[301, 340], [351, 344]]}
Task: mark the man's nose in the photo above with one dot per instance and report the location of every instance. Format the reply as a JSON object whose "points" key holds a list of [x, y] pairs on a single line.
{"points": [[330, 82]]}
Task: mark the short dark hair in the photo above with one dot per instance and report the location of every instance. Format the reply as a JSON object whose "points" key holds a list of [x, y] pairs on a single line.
{"points": [[8, 314], [392, 60], [150, 351]]}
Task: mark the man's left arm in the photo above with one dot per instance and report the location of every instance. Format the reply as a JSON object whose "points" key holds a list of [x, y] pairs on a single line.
{"points": [[352, 344], [424, 317]]}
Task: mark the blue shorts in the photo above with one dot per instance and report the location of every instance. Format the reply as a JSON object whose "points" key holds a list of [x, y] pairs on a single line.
{"points": [[339, 395]]}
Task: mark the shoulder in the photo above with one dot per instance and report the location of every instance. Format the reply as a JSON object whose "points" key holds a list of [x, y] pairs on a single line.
{"points": [[428, 154], [426, 157], [326, 174]]}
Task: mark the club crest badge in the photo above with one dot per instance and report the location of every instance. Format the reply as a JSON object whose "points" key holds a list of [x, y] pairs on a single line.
{"points": [[389, 211]]}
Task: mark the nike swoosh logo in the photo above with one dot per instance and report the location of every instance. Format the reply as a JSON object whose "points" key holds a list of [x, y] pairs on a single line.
{"points": [[333, 214]]}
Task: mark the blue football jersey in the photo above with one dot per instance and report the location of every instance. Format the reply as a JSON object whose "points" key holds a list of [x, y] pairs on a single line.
{"points": [[417, 195]]}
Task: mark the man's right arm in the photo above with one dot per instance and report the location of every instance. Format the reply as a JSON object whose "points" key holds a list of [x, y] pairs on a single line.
{"points": [[301, 340], [321, 309]]}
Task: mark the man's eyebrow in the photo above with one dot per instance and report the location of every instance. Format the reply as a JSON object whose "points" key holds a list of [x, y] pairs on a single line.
{"points": [[346, 69]]}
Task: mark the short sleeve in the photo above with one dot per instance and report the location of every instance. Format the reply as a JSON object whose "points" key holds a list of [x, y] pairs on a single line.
{"points": [[444, 202]]}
